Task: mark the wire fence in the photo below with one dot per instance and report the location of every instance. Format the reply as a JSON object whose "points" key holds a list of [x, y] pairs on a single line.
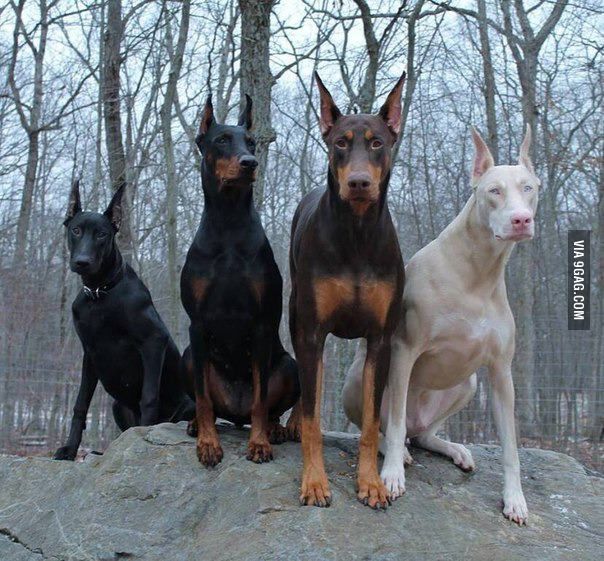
{"points": [[40, 359]]}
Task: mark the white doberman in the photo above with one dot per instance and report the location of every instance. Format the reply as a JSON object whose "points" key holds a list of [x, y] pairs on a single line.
{"points": [[457, 319]]}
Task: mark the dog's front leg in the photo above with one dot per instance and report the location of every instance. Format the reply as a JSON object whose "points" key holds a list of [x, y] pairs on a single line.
{"points": [[80, 411], [514, 504], [393, 470], [309, 354], [209, 451], [153, 351], [259, 447], [371, 490]]}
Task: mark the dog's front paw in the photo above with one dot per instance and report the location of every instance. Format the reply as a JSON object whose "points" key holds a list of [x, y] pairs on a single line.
{"points": [[277, 433], [209, 453], [315, 489], [373, 493], [394, 480], [65, 453], [514, 507], [259, 452]]}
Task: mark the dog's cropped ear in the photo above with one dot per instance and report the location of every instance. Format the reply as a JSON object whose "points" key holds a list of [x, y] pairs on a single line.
{"points": [[74, 206], [114, 210], [245, 117], [392, 108], [524, 159], [483, 159], [329, 112], [207, 119]]}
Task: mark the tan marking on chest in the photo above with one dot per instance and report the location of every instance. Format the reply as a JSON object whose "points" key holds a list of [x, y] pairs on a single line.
{"points": [[333, 293], [330, 294], [258, 290], [377, 296], [198, 288]]}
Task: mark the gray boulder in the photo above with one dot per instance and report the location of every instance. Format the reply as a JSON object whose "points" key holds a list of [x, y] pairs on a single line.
{"points": [[148, 498]]}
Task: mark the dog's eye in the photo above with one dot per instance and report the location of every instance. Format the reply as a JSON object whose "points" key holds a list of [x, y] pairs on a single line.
{"points": [[528, 188], [222, 140], [376, 144], [341, 143], [101, 235], [495, 191], [76, 231]]}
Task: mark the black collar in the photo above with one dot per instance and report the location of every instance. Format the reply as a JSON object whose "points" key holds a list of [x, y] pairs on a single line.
{"points": [[96, 293]]}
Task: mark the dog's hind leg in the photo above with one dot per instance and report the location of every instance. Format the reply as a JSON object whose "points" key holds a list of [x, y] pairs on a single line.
{"points": [[125, 417], [283, 393], [444, 403]]}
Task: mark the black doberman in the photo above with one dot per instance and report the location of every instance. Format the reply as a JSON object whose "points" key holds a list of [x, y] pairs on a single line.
{"points": [[126, 344], [347, 279], [231, 289]]}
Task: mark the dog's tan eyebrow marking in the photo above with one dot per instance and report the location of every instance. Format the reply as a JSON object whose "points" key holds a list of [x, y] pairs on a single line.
{"points": [[348, 135], [369, 134]]}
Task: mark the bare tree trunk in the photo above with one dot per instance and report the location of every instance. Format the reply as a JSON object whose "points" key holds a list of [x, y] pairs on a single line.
{"points": [[113, 122], [31, 125], [257, 80], [176, 57], [489, 80]]}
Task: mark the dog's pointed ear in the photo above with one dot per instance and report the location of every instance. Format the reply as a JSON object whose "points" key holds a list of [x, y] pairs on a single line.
{"points": [[483, 159], [114, 210], [524, 159], [74, 206], [245, 117], [392, 109], [207, 119], [329, 112]]}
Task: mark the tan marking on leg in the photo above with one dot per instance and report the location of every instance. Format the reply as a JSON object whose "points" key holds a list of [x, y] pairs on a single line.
{"points": [[315, 486], [292, 426], [209, 451], [371, 490], [259, 448], [377, 296], [330, 294]]}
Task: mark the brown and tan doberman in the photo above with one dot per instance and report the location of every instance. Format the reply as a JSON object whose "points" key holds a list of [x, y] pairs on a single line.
{"points": [[347, 279]]}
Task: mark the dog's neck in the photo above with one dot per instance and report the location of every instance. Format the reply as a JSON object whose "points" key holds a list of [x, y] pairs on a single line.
{"points": [[478, 256], [109, 271], [227, 204]]}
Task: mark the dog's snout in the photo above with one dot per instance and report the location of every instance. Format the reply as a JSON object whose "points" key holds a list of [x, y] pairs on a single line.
{"points": [[248, 162], [359, 181], [82, 263], [521, 220]]}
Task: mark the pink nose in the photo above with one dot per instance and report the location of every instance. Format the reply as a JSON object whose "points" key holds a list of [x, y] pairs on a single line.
{"points": [[521, 220]]}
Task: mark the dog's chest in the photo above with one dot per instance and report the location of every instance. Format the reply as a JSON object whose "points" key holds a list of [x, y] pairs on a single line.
{"points": [[460, 343], [352, 303]]}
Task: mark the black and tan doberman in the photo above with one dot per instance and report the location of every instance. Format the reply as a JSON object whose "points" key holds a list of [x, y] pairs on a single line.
{"points": [[232, 291], [347, 279]]}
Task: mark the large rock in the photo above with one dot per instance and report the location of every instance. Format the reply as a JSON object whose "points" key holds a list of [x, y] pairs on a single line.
{"points": [[148, 498]]}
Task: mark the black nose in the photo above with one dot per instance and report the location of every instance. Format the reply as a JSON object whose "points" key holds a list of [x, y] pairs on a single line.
{"points": [[248, 162], [82, 263]]}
